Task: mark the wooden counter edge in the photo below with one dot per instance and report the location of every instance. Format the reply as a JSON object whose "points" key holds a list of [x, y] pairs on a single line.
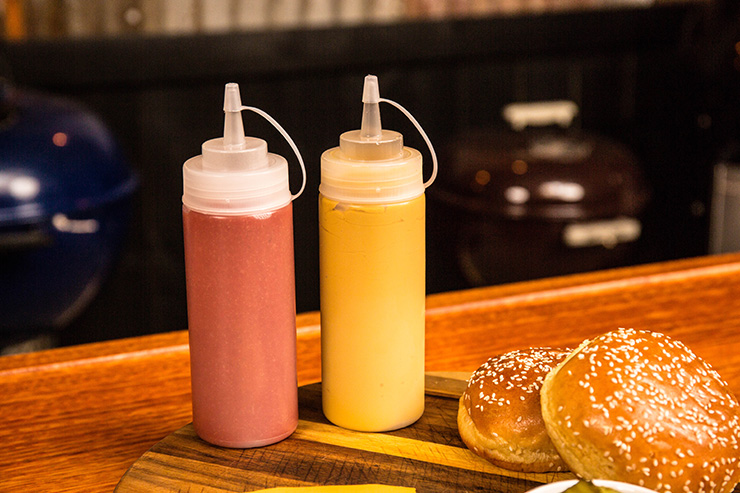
{"points": [[308, 324]]}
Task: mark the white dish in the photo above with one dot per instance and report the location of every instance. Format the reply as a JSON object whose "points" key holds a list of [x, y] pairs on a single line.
{"points": [[561, 486]]}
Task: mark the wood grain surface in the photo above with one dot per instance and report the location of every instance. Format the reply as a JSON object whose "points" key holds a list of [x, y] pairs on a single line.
{"points": [[427, 455], [75, 419]]}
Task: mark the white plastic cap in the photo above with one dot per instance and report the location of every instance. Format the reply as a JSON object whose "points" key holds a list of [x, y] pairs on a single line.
{"points": [[371, 165], [235, 174]]}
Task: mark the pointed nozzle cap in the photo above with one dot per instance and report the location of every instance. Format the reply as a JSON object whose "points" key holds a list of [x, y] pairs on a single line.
{"points": [[371, 91], [371, 127], [234, 151], [233, 125]]}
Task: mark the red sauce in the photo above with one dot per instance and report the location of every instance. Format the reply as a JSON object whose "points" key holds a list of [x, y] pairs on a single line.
{"points": [[241, 322]]}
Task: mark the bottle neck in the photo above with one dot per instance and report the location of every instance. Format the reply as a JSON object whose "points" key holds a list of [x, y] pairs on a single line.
{"points": [[356, 147], [221, 157]]}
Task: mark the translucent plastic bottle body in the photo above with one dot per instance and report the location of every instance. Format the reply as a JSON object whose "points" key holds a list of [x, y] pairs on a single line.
{"points": [[372, 263], [241, 317]]}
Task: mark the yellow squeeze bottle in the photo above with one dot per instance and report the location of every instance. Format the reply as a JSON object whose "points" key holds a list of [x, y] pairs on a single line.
{"points": [[372, 275]]}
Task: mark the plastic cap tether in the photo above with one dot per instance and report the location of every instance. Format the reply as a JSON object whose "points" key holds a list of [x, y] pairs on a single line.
{"points": [[235, 174], [371, 165]]}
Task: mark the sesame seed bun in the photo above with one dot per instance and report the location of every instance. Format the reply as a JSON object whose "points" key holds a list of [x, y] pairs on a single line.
{"points": [[499, 415], [639, 407]]}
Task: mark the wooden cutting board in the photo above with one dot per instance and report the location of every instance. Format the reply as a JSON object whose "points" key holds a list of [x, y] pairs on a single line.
{"points": [[428, 455]]}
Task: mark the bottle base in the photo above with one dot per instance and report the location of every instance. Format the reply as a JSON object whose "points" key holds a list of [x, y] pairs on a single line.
{"points": [[262, 442], [369, 428]]}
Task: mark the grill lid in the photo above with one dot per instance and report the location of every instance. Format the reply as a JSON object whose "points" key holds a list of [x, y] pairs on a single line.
{"points": [[55, 157], [542, 172]]}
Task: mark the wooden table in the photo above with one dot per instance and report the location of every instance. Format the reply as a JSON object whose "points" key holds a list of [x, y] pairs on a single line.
{"points": [[75, 419]]}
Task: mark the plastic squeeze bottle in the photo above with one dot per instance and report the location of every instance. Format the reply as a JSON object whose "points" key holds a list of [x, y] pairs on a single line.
{"points": [[238, 234], [372, 274]]}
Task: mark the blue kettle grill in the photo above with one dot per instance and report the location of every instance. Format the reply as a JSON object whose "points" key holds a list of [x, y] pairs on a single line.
{"points": [[65, 204]]}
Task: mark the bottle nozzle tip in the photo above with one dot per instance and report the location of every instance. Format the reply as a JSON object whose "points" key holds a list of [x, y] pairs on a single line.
{"points": [[371, 127], [232, 98], [371, 92], [233, 126]]}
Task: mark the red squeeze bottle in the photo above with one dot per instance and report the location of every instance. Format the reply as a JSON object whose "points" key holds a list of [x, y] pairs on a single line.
{"points": [[238, 235]]}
